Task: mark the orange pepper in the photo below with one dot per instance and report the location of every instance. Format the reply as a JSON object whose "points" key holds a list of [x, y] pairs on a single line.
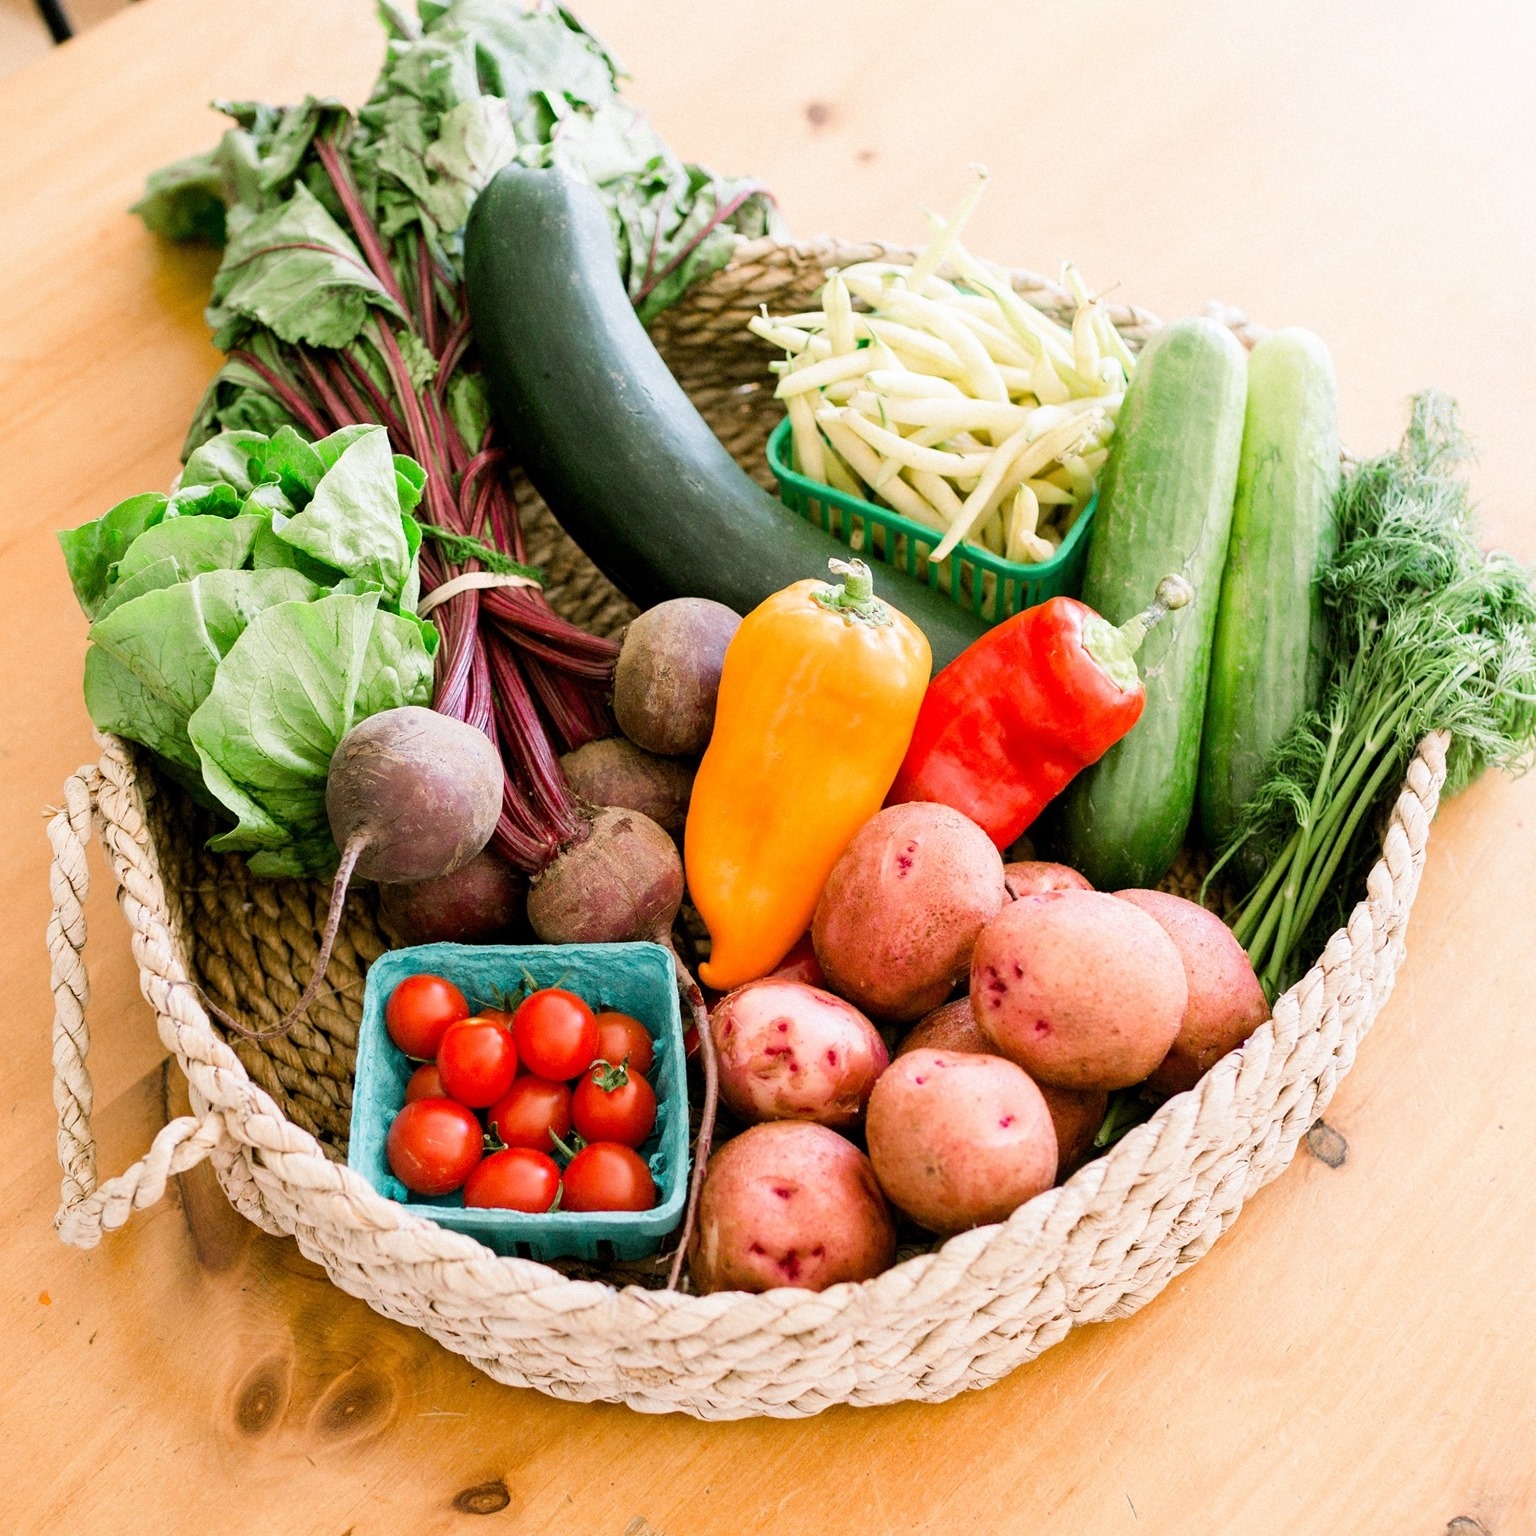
{"points": [[818, 697]]}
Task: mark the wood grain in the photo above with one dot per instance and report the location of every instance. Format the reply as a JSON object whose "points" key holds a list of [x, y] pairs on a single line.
{"points": [[1355, 1355]]}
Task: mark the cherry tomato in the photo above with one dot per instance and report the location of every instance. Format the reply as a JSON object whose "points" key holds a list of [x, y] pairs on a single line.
{"points": [[608, 1177], [529, 1110], [419, 1011], [613, 1104], [478, 1061], [426, 1083], [556, 1034], [433, 1144], [620, 1036], [518, 1179]]}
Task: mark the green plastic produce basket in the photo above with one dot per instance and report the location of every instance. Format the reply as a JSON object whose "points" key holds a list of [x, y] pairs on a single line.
{"points": [[975, 578], [637, 979]]}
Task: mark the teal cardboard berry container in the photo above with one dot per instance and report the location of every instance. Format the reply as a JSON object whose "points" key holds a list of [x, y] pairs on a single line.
{"points": [[637, 979]]}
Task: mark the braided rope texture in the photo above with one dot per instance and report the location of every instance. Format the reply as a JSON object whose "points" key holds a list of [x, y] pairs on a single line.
{"points": [[272, 1115]]}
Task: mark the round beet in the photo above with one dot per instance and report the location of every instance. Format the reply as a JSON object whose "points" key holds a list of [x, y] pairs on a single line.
{"points": [[1081, 989], [624, 882], [668, 675], [414, 793], [410, 795], [617, 773], [958, 1141], [481, 902], [789, 1204], [1226, 1002]]}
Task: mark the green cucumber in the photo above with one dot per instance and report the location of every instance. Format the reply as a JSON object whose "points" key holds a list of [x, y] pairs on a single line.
{"points": [[1166, 505], [629, 468], [1267, 661]]}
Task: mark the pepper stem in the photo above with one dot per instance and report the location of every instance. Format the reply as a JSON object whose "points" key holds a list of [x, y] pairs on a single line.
{"points": [[855, 597], [1115, 649], [1172, 592]]}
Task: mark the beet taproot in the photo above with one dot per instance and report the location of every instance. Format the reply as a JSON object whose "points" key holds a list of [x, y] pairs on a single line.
{"points": [[410, 795]]}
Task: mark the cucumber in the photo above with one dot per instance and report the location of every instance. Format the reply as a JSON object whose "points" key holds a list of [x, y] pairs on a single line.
{"points": [[1267, 661], [1166, 505], [629, 468]]}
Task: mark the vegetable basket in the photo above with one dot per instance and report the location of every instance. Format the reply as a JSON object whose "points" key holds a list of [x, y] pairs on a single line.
{"points": [[272, 1115]]}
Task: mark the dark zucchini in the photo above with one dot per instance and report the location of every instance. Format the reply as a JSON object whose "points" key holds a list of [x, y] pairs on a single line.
{"points": [[631, 470]]}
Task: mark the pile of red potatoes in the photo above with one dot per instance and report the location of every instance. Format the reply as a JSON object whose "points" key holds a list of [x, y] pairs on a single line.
{"points": [[1026, 997]]}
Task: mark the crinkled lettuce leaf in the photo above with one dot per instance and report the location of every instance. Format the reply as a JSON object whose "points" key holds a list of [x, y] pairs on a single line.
{"points": [[94, 548], [153, 658], [293, 684], [354, 520]]}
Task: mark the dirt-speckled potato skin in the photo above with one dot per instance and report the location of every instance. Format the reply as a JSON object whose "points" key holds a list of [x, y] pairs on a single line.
{"points": [[789, 1204], [1081, 989], [667, 677], [959, 1140], [788, 1051], [902, 908], [614, 771], [1226, 1003], [1028, 877], [1076, 1114]]}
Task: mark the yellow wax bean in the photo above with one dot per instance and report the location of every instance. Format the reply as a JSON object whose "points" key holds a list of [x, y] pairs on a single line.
{"points": [[892, 445], [830, 370]]}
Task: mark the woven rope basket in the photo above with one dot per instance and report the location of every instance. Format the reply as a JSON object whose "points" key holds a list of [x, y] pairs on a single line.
{"points": [[272, 1116]]}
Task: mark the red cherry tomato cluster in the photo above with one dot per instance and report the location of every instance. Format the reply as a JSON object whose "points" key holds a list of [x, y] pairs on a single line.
{"points": [[518, 1068]]}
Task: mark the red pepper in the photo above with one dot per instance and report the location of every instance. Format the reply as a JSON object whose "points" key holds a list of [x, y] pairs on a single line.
{"points": [[1008, 723]]}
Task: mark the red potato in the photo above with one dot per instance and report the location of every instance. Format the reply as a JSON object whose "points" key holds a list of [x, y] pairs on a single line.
{"points": [[1076, 1114], [787, 1051], [950, 1028], [1081, 989], [957, 1140], [901, 910], [789, 1204], [1226, 1003], [1028, 877]]}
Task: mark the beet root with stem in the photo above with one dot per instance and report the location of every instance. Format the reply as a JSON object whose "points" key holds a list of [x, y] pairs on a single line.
{"points": [[410, 795], [623, 881]]}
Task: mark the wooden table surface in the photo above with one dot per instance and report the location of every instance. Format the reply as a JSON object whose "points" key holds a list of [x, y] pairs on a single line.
{"points": [[1355, 1357]]}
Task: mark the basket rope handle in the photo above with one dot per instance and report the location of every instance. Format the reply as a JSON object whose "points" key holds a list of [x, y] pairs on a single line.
{"points": [[88, 1210]]}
